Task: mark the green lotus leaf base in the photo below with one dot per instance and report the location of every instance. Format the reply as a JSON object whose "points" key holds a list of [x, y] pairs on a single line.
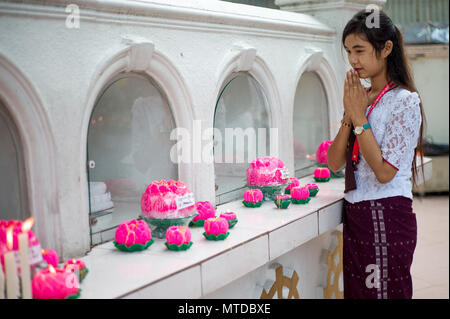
{"points": [[301, 201], [135, 247], [179, 247], [197, 223], [283, 204], [75, 296], [214, 237], [322, 180], [252, 205], [232, 222], [313, 192]]}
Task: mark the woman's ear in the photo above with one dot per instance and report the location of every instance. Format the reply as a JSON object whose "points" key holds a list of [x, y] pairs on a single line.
{"points": [[387, 48]]}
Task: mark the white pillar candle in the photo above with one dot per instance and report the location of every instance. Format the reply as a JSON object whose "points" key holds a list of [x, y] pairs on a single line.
{"points": [[12, 281], [24, 266], [2, 283]]}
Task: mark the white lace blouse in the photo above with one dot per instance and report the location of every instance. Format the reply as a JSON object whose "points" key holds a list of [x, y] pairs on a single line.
{"points": [[395, 123]]}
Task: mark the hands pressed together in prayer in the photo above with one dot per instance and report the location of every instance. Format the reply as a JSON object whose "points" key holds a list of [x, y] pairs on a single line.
{"points": [[355, 98]]}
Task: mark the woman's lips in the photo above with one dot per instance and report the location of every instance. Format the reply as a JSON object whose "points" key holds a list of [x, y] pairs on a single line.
{"points": [[357, 69]]}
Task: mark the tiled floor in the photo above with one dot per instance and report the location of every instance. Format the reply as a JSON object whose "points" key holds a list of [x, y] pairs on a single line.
{"points": [[431, 258]]}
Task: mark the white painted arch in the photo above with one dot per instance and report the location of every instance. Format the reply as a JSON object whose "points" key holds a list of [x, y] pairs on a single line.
{"points": [[242, 58], [138, 56], [39, 152], [316, 62]]}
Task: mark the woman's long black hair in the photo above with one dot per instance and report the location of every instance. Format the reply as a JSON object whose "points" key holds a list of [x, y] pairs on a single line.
{"points": [[398, 69]]}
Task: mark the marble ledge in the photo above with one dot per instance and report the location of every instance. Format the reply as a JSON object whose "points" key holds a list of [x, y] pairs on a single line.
{"points": [[261, 235]]}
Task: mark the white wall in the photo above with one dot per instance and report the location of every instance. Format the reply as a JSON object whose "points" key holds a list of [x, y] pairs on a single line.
{"points": [[431, 79], [188, 48]]}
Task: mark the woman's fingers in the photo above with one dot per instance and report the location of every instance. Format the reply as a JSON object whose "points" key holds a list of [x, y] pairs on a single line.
{"points": [[356, 83], [362, 90], [350, 79], [359, 87], [346, 94]]}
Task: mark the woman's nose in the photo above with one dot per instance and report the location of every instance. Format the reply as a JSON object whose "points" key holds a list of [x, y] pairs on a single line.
{"points": [[353, 59]]}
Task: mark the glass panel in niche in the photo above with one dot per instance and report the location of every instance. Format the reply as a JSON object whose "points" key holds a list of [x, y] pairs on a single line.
{"points": [[311, 125], [13, 186], [242, 133], [128, 148]]}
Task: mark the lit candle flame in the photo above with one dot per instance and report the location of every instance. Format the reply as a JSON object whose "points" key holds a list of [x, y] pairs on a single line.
{"points": [[74, 261], [51, 269], [27, 224], [9, 237]]}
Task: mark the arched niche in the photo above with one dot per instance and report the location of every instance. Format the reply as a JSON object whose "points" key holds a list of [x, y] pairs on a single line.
{"points": [[35, 147], [310, 119], [242, 133], [244, 70], [128, 146], [140, 57], [316, 97], [14, 202]]}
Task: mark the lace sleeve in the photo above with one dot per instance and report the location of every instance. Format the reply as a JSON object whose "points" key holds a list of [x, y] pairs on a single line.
{"points": [[402, 129]]}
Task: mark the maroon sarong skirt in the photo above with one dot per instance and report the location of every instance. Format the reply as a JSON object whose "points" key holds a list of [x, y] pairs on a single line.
{"points": [[379, 241]]}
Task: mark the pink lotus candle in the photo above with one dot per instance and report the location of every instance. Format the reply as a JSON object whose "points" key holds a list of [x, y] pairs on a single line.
{"points": [[313, 189], [322, 174], [133, 232], [321, 153], [300, 192], [300, 195], [50, 257], [266, 171], [76, 266], [54, 283], [283, 201], [228, 215], [253, 198], [216, 227], [178, 235], [205, 210], [167, 199], [293, 182]]}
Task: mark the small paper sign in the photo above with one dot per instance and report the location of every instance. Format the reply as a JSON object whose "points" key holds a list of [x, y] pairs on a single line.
{"points": [[185, 201], [284, 173], [34, 254]]}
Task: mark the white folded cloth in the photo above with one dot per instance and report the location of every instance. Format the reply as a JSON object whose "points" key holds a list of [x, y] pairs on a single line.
{"points": [[97, 188], [101, 198]]}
